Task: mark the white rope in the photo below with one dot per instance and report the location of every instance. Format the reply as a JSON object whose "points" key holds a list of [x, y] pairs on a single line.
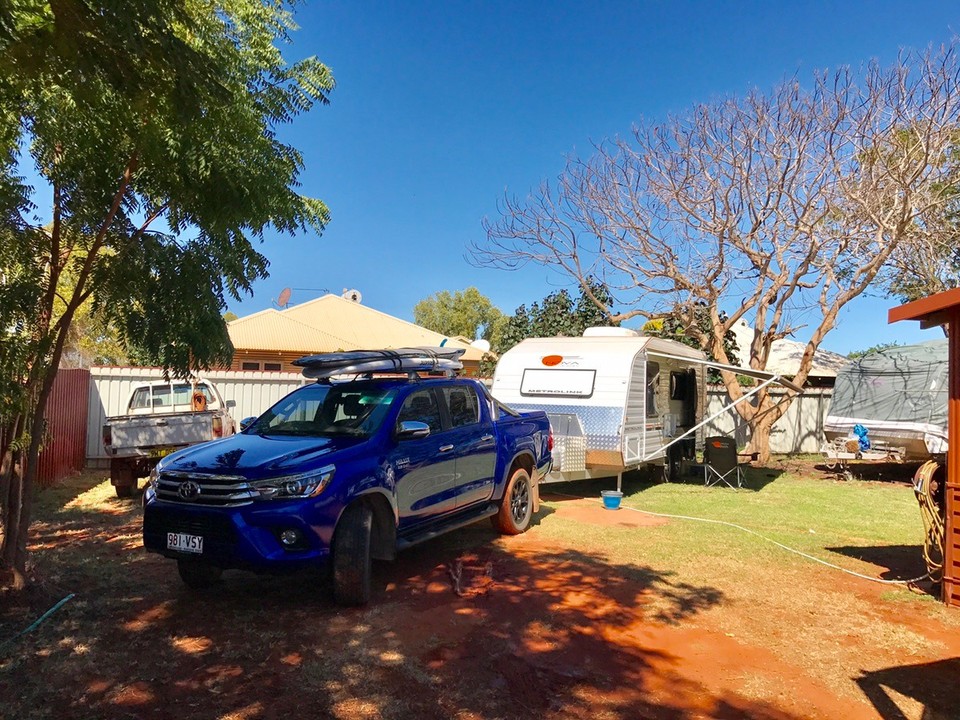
{"points": [[762, 537]]}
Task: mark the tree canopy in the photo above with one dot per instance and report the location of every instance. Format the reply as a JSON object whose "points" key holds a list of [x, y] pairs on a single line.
{"points": [[152, 127], [556, 314], [775, 207], [467, 313]]}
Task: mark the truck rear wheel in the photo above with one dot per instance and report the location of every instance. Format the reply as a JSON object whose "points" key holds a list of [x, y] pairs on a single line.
{"points": [[197, 575], [351, 556], [122, 478], [516, 508]]}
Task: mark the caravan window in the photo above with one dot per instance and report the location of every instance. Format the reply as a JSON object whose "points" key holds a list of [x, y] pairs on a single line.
{"points": [[653, 381], [564, 383]]}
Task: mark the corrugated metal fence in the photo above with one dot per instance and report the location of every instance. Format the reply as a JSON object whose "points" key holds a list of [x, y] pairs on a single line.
{"points": [[63, 451], [800, 430], [110, 389]]}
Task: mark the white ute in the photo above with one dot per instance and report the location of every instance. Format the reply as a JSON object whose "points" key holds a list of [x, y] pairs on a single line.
{"points": [[162, 417]]}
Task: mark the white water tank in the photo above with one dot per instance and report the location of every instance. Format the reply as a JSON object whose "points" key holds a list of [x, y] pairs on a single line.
{"points": [[610, 332]]}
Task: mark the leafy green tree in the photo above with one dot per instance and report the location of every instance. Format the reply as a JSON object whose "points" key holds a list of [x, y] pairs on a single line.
{"points": [[468, 313], [154, 126], [558, 314]]}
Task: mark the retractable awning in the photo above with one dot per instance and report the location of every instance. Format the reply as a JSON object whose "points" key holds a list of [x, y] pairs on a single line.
{"points": [[766, 377], [750, 372]]}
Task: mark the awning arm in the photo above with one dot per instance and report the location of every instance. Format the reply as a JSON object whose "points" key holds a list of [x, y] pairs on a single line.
{"points": [[717, 414]]}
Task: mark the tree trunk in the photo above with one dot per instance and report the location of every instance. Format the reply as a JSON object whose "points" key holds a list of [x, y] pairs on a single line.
{"points": [[760, 437], [12, 560]]}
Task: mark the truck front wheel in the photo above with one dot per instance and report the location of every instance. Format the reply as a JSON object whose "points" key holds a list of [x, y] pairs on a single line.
{"points": [[351, 556], [516, 508], [197, 575]]}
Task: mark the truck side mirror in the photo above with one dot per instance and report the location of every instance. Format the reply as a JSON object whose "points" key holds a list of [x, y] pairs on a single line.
{"points": [[231, 404], [412, 429], [247, 422]]}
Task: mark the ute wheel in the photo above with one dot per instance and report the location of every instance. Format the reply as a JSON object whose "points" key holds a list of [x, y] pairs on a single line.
{"points": [[351, 556], [197, 575], [516, 508], [123, 478]]}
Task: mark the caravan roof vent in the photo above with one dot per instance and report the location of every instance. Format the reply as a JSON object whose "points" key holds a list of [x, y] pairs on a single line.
{"points": [[610, 332]]}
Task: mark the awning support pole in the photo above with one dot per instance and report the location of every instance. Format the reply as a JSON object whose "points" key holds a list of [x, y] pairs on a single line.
{"points": [[717, 414]]}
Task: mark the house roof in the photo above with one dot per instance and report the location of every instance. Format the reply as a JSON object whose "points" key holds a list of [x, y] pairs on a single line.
{"points": [[785, 355], [272, 330], [330, 323]]}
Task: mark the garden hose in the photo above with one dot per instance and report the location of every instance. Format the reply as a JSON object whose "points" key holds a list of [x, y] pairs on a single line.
{"points": [[929, 492], [883, 581]]}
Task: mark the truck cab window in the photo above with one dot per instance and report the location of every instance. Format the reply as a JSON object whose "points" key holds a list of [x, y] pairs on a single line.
{"points": [[140, 399], [463, 404], [421, 406], [653, 383]]}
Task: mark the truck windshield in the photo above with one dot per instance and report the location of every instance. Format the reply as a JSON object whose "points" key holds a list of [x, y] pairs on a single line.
{"points": [[354, 409]]}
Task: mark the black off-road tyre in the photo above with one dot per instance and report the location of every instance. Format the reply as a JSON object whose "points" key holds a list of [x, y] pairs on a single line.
{"points": [[351, 556], [516, 508], [122, 478], [197, 575]]}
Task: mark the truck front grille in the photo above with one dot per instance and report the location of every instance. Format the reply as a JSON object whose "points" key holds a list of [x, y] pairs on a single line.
{"points": [[205, 489]]}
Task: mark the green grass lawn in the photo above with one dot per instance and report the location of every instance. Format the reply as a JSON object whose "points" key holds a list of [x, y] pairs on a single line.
{"points": [[867, 527]]}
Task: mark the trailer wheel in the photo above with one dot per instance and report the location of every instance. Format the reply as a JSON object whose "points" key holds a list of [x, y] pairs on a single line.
{"points": [[516, 508], [351, 556], [197, 575]]}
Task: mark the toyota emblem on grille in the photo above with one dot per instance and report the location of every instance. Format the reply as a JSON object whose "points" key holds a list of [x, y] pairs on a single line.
{"points": [[188, 490]]}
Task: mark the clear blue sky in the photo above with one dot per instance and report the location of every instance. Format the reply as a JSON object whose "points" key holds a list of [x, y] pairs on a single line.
{"points": [[441, 107]]}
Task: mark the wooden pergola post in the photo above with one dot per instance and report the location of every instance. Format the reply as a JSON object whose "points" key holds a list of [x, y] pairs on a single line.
{"points": [[936, 310]]}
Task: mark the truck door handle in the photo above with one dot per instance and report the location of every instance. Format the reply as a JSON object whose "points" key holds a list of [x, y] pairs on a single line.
{"points": [[446, 448], [162, 423], [486, 438]]}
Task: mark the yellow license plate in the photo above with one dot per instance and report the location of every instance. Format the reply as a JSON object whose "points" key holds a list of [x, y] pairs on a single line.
{"points": [[161, 452]]}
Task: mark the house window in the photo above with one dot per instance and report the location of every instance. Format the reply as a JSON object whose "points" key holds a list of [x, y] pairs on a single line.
{"points": [[272, 367], [249, 366]]}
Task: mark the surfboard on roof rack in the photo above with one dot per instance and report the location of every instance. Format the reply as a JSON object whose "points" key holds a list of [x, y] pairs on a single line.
{"points": [[357, 362]]}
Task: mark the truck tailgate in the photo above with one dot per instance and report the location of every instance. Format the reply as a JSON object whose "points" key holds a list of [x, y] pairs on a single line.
{"points": [[172, 430]]}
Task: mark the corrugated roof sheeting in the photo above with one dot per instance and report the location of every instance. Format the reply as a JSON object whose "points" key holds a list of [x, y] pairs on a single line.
{"points": [[366, 328], [273, 330]]}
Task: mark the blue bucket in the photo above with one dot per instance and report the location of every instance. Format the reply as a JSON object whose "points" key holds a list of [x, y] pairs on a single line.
{"points": [[611, 499]]}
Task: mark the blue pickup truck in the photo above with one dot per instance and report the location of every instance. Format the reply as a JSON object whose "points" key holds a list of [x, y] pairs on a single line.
{"points": [[339, 473]]}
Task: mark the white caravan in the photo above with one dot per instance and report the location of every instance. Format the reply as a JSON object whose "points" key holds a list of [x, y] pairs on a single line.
{"points": [[616, 399]]}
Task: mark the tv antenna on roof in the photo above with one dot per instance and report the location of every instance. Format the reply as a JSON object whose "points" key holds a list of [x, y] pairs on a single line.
{"points": [[284, 298], [352, 295]]}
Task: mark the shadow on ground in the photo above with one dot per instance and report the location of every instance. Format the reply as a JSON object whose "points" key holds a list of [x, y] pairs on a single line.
{"points": [[932, 686], [471, 625]]}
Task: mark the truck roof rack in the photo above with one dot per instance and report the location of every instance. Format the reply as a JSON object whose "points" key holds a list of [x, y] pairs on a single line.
{"points": [[409, 360]]}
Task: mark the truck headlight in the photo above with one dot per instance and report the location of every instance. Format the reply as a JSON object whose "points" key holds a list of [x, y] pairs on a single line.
{"points": [[155, 473], [303, 485]]}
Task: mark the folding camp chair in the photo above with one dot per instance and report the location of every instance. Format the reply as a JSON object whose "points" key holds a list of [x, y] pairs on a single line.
{"points": [[720, 462]]}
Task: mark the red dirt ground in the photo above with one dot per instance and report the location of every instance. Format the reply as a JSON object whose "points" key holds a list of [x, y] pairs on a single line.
{"points": [[465, 627]]}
